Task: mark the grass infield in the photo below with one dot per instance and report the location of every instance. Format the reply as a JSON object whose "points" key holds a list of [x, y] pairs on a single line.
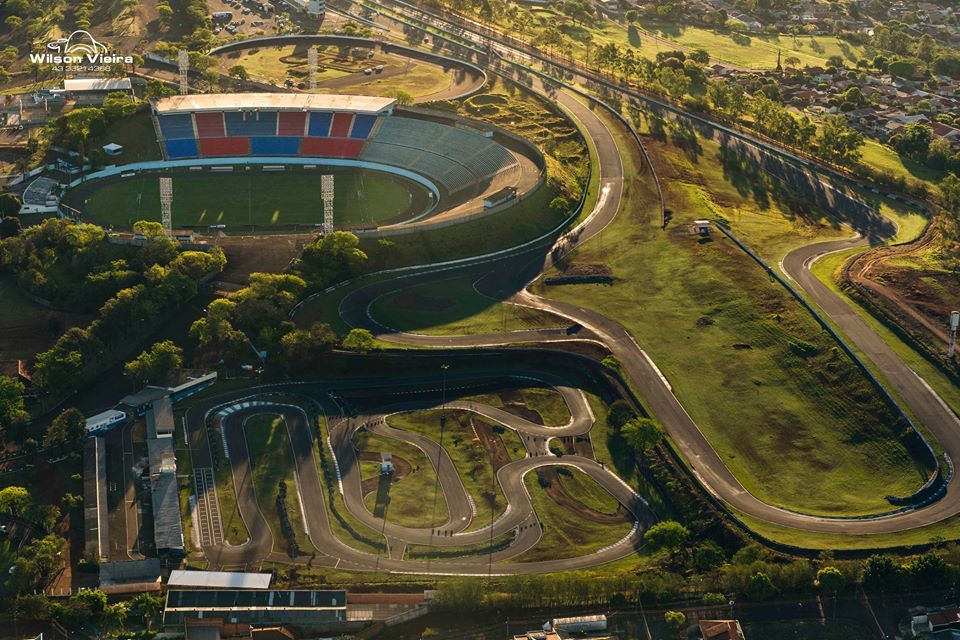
{"points": [[255, 197]]}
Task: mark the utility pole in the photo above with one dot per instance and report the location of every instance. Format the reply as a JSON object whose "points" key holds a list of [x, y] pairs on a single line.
{"points": [[954, 323]]}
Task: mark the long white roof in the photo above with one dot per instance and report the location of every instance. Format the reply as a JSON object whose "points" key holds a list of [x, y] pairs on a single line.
{"points": [[219, 579], [273, 102]]}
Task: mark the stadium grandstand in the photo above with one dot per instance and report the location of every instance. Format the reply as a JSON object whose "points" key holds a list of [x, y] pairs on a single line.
{"points": [[360, 128]]}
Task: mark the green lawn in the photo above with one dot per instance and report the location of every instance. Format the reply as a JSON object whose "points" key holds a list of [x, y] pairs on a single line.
{"points": [[137, 137], [453, 307], [721, 333], [753, 51], [271, 458], [255, 197], [879, 156], [586, 491], [411, 499], [549, 404], [511, 440], [234, 529], [468, 455], [566, 534]]}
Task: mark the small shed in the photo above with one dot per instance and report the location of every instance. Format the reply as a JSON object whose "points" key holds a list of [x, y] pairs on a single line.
{"points": [[386, 462], [701, 227], [113, 149]]}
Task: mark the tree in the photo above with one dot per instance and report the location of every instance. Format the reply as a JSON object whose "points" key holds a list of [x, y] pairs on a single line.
{"points": [[914, 140], [669, 535], [403, 98], [302, 349], [66, 431], [619, 414], [14, 500], [831, 580], [333, 258], [642, 434], [12, 412], [676, 620], [708, 557], [146, 607], [239, 72], [838, 143], [156, 364], [9, 204], [119, 104], [358, 340], [759, 587], [881, 573]]}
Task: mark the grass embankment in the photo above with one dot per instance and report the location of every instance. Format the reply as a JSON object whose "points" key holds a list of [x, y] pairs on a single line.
{"points": [[453, 307], [234, 529], [587, 491], [252, 198], [272, 462], [566, 534], [467, 453], [410, 500], [765, 384]]}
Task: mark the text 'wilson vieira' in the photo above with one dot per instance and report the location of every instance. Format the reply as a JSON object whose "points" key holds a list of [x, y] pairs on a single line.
{"points": [[98, 58]]}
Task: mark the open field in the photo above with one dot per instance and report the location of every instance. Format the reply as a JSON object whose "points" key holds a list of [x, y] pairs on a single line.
{"points": [[565, 533], [253, 198], [411, 499], [752, 51], [768, 388], [881, 157], [453, 307], [337, 73], [468, 454], [271, 460]]}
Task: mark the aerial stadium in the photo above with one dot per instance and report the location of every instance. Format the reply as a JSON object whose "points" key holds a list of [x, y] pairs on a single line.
{"points": [[397, 169]]}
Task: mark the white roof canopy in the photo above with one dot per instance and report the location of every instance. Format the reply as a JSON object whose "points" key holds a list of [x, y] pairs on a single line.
{"points": [[219, 579]]}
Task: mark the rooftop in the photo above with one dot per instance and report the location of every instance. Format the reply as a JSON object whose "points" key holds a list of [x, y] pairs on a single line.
{"points": [[97, 84], [219, 579], [272, 101]]}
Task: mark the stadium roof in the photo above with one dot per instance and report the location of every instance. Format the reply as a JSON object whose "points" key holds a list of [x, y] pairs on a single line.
{"points": [[167, 528], [76, 85], [272, 102], [219, 579]]}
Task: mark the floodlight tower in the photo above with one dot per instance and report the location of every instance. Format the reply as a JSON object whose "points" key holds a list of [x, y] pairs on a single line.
{"points": [[954, 323], [312, 64], [166, 205], [326, 193], [183, 62]]}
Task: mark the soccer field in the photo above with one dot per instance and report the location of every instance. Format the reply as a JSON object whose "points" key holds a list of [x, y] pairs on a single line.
{"points": [[255, 197]]}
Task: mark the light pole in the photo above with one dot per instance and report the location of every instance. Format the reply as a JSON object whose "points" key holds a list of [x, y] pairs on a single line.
{"points": [[954, 323]]}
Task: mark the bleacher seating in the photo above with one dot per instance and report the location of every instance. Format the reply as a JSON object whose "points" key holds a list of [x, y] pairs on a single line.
{"points": [[455, 158]]}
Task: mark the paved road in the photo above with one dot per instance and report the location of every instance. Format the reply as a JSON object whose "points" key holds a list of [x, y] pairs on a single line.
{"points": [[704, 462], [519, 518]]}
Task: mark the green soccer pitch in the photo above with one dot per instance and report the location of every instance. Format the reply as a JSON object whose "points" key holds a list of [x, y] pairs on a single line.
{"points": [[263, 199]]}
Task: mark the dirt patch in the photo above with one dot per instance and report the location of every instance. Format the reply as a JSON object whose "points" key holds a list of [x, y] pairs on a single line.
{"points": [[559, 495], [401, 468], [587, 269], [513, 403], [492, 444], [250, 254]]}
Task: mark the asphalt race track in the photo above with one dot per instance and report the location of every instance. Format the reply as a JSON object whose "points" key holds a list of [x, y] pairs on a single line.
{"points": [[505, 275]]}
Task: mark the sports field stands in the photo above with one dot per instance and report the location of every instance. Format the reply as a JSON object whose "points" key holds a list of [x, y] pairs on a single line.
{"points": [[326, 126]]}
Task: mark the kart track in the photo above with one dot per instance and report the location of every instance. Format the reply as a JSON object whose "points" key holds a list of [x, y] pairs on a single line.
{"points": [[504, 275]]}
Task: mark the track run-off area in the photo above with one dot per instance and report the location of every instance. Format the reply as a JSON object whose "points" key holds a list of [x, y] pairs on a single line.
{"points": [[506, 274]]}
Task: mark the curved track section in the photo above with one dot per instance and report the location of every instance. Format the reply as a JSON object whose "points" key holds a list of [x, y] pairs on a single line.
{"points": [[499, 274], [288, 401]]}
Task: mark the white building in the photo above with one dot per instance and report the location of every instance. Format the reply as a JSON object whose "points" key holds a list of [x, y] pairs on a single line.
{"points": [[310, 7]]}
